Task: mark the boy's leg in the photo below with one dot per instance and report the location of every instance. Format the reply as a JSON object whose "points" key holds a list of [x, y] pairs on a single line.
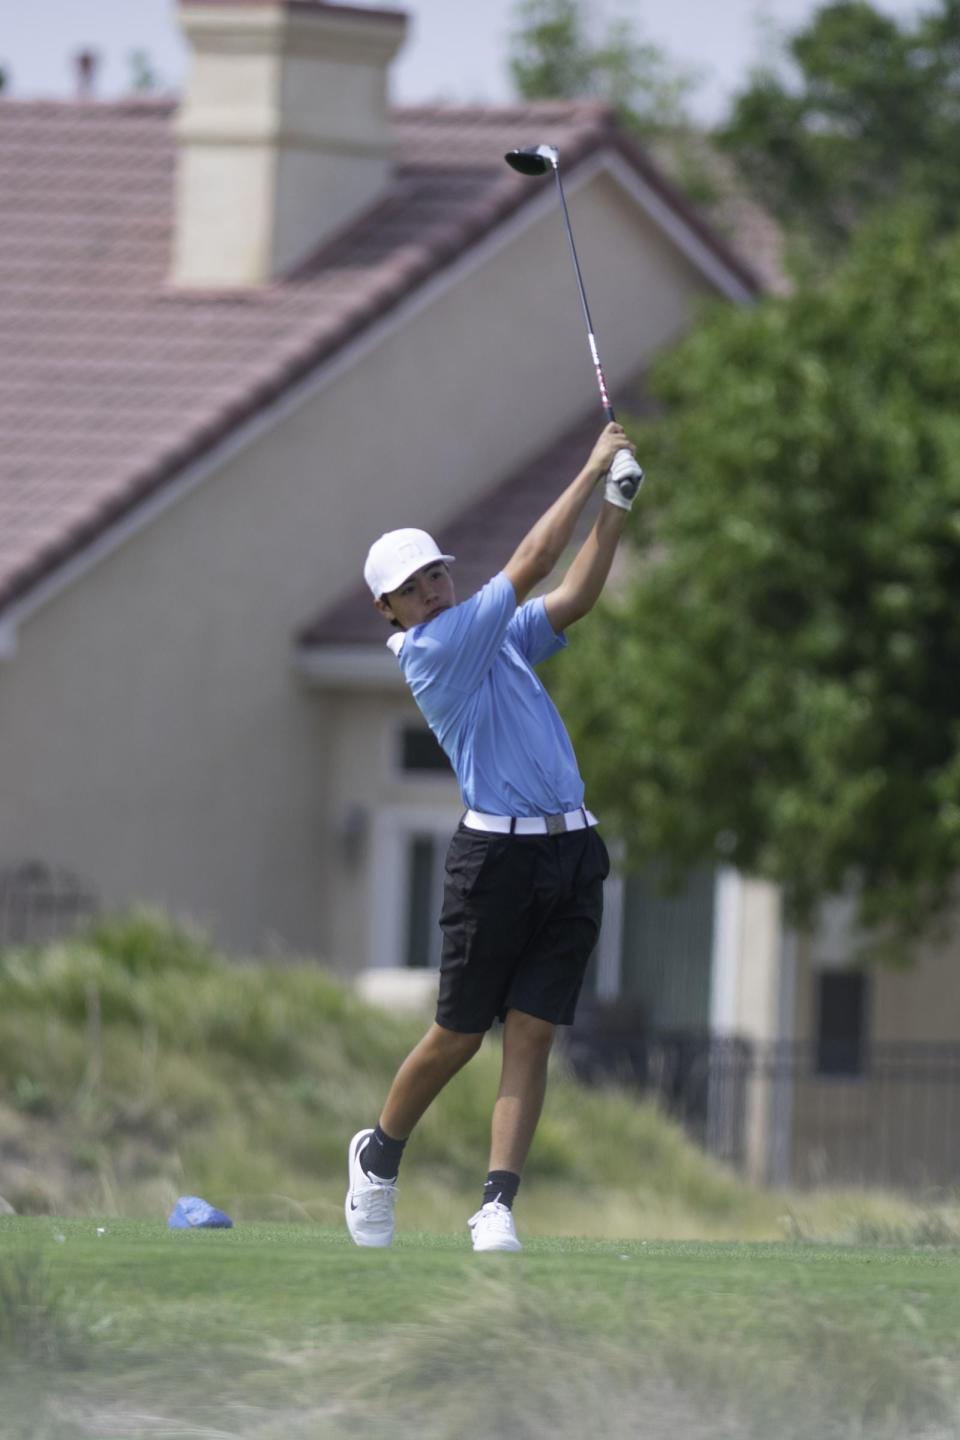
{"points": [[523, 1083], [371, 1194], [424, 1073], [547, 983]]}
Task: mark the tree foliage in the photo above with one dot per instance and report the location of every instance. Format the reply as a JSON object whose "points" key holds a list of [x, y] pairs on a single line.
{"points": [[144, 79], [778, 689], [553, 55], [866, 112]]}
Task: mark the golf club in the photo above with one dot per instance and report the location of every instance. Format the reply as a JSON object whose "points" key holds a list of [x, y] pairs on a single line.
{"points": [[537, 160]]}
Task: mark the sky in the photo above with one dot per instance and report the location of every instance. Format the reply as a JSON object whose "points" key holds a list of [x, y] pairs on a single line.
{"points": [[720, 40]]}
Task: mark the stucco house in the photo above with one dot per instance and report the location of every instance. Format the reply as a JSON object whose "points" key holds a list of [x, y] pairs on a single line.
{"points": [[244, 334]]}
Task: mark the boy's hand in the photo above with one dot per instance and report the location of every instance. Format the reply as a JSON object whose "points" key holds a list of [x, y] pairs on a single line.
{"points": [[623, 481], [612, 438]]}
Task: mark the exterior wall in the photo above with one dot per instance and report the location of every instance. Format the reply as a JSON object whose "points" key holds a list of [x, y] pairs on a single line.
{"points": [[152, 734], [153, 738], [897, 1121], [919, 1004]]}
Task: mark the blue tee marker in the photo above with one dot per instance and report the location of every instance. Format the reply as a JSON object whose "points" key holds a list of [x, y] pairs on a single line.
{"points": [[192, 1213]]}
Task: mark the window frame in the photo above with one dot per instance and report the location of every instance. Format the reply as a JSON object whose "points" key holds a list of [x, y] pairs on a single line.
{"points": [[389, 875]]}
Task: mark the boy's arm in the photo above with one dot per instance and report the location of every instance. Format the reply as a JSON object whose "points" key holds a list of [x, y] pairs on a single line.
{"points": [[539, 550], [580, 588]]}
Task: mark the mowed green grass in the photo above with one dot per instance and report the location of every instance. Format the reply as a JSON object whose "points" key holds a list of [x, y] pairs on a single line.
{"points": [[283, 1331]]}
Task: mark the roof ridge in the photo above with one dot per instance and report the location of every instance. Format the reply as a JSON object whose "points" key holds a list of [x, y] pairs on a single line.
{"points": [[124, 104], [576, 109], [582, 106]]}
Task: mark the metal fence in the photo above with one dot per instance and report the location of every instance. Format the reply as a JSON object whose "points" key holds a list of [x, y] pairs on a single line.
{"points": [[891, 1121], [791, 1114], [40, 902]]}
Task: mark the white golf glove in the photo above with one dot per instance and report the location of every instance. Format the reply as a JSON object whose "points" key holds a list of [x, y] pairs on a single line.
{"points": [[624, 468]]}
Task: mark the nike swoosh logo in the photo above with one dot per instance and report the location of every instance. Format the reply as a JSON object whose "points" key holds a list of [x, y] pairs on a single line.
{"points": [[353, 1205]]}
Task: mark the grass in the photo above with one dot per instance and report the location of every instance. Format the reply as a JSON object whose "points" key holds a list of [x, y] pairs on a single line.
{"points": [[281, 1331], [136, 1064]]}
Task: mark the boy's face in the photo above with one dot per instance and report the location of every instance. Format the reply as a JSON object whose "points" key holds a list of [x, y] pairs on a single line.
{"points": [[424, 595]]}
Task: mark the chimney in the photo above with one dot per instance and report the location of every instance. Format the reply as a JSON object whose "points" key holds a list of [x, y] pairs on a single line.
{"points": [[283, 133], [85, 65]]}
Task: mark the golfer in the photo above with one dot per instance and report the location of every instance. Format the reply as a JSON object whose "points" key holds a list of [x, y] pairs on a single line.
{"points": [[523, 894]]}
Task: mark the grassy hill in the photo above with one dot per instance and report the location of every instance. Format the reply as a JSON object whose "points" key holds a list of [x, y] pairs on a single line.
{"points": [[137, 1064]]}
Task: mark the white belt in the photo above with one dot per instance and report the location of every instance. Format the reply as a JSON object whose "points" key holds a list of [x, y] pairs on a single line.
{"points": [[529, 824]]}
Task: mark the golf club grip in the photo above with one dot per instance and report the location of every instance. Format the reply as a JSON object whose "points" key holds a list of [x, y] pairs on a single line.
{"points": [[626, 473]]}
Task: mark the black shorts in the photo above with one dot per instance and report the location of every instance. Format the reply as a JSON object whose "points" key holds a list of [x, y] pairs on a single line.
{"points": [[521, 916]]}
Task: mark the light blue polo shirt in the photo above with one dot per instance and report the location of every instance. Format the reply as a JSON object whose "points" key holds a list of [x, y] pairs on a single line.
{"points": [[470, 669]]}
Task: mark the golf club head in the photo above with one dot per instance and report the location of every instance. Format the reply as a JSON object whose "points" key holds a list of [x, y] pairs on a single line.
{"points": [[533, 159]]}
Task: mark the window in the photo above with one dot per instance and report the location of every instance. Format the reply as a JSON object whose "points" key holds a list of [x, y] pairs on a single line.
{"points": [[425, 862], [420, 752], [841, 1022]]}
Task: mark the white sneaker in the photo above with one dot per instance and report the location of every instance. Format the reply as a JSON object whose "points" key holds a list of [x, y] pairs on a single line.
{"points": [[370, 1202], [492, 1228]]}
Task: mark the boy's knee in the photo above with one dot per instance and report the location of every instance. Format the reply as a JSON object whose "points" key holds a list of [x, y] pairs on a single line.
{"points": [[456, 1044], [528, 1032]]}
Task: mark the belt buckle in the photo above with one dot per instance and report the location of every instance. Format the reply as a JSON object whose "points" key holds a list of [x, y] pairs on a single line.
{"points": [[556, 824]]}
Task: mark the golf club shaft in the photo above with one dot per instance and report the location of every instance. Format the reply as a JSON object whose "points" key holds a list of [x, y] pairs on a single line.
{"points": [[604, 397], [629, 484]]}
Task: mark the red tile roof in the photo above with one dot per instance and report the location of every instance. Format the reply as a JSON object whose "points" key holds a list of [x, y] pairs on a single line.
{"points": [[112, 381], [354, 11]]}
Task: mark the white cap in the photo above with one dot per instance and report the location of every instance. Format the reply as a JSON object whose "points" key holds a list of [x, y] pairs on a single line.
{"points": [[396, 556]]}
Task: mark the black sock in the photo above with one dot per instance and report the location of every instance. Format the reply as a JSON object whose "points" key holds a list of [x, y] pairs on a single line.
{"points": [[501, 1185], [381, 1155]]}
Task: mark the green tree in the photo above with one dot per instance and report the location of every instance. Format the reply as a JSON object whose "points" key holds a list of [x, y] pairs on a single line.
{"points": [[866, 111], [778, 688], [553, 56], [144, 79]]}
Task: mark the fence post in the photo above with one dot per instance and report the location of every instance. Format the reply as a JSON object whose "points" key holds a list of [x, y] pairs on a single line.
{"points": [[782, 1066]]}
